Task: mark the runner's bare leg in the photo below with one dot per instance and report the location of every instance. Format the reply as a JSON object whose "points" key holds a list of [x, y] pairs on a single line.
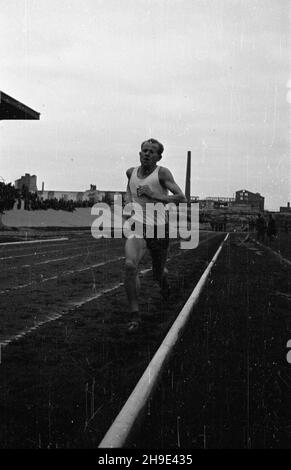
{"points": [[160, 272], [135, 249]]}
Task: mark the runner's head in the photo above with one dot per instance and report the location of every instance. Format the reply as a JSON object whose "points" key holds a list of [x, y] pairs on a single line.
{"points": [[151, 152]]}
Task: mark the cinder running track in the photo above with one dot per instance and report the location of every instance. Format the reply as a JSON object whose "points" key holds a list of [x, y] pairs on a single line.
{"points": [[68, 363]]}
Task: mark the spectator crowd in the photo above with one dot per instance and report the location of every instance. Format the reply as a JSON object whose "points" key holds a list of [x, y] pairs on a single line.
{"points": [[9, 196]]}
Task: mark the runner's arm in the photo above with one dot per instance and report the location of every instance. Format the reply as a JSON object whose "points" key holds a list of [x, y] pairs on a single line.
{"points": [[127, 199], [128, 193]]}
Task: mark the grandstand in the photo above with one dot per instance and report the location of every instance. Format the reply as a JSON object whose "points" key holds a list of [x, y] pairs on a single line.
{"points": [[10, 108]]}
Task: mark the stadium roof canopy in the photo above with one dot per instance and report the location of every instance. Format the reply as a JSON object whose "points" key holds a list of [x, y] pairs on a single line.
{"points": [[13, 109]]}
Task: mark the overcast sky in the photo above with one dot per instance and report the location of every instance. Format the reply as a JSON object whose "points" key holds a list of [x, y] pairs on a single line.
{"points": [[208, 76]]}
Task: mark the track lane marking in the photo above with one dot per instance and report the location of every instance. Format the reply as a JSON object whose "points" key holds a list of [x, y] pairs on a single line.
{"points": [[86, 253], [72, 245], [75, 305], [278, 255], [71, 306], [66, 246], [65, 274], [68, 273], [34, 241]]}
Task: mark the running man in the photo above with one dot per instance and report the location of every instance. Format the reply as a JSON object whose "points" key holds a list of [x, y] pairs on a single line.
{"points": [[148, 183]]}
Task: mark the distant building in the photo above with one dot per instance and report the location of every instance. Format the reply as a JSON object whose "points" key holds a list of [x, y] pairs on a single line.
{"points": [[108, 196], [285, 208], [29, 181], [97, 195], [65, 195], [206, 204], [220, 199], [194, 198], [249, 200], [215, 202], [243, 201], [92, 195]]}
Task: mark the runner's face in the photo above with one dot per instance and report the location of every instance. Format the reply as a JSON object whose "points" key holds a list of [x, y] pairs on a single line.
{"points": [[149, 155]]}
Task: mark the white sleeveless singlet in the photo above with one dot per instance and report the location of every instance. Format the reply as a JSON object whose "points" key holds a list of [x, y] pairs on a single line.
{"points": [[154, 184]]}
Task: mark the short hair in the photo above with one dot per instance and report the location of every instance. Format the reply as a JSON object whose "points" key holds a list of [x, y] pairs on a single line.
{"points": [[154, 141]]}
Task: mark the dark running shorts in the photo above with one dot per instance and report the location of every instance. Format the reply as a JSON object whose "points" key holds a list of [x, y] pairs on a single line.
{"points": [[158, 248], [156, 243]]}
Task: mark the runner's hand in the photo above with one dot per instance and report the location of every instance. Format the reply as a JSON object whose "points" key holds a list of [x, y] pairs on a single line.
{"points": [[145, 191]]}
